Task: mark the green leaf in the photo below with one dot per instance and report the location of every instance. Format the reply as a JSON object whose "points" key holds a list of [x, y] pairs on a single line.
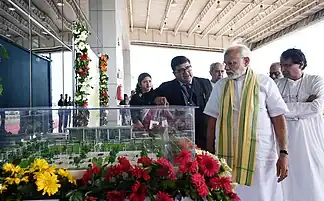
{"points": [[75, 196], [25, 163], [3, 52], [210, 198], [168, 184]]}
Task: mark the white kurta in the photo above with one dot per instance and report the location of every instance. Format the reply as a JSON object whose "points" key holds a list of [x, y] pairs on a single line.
{"points": [[212, 83], [306, 138], [265, 186]]}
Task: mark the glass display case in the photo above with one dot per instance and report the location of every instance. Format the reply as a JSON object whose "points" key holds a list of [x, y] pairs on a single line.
{"points": [[73, 137]]}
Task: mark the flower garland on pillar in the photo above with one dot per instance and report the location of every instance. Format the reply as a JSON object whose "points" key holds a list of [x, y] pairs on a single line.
{"points": [[103, 88], [82, 73], [103, 82]]}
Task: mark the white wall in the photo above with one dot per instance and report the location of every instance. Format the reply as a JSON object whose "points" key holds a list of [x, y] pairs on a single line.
{"points": [[57, 75]]}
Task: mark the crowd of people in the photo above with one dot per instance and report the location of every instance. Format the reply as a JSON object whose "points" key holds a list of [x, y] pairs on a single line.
{"points": [[248, 119]]}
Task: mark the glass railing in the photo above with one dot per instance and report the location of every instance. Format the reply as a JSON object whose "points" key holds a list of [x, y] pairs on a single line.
{"points": [[72, 137]]}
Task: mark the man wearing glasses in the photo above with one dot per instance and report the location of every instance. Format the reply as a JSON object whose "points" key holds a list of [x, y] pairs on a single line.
{"points": [[187, 90]]}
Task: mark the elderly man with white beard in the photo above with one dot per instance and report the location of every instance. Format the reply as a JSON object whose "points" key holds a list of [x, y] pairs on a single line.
{"points": [[304, 96], [246, 115]]}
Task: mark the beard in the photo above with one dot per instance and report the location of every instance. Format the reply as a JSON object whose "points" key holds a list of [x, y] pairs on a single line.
{"points": [[234, 75]]}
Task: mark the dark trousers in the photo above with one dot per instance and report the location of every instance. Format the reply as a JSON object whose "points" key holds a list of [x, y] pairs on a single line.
{"points": [[60, 123], [67, 118]]}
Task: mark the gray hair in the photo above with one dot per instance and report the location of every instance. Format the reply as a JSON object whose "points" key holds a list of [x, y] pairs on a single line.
{"points": [[244, 50], [214, 65], [275, 64]]}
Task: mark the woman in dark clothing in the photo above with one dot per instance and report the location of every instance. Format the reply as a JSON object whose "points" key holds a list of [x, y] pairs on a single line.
{"points": [[143, 96]]}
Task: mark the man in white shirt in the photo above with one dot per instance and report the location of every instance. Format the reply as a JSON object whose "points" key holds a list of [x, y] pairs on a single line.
{"points": [[217, 72], [250, 115], [304, 96], [275, 71]]}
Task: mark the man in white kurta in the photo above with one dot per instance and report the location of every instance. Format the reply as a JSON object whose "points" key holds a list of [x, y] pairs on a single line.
{"points": [[265, 186], [304, 96]]}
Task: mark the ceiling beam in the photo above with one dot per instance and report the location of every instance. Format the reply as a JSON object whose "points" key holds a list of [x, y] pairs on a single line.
{"points": [[184, 13], [299, 10], [257, 19], [13, 27], [165, 16], [312, 19], [77, 10], [148, 14], [221, 16], [201, 15], [67, 24], [38, 14], [131, 15], [238, 17], [19, 20]]}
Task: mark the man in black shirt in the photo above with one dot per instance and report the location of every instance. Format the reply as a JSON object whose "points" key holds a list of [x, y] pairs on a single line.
{"points": [[60, 103], [187, 90]]}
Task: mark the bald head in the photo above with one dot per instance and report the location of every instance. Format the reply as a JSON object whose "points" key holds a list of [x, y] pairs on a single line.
{"points": [[275, 71]]}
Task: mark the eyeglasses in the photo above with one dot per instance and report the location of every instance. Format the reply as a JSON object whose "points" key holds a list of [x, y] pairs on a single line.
{"points": [[183, 69]]}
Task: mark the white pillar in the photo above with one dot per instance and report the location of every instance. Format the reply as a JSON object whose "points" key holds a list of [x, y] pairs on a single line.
{"points": [[104, 20], [127, 72]]}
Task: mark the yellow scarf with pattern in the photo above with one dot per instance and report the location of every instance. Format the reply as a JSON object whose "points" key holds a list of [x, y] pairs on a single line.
{"points": [[240, 156]]}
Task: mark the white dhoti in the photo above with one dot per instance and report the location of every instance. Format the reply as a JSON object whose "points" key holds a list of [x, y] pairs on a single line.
{"points": [[306, 161], [305, 124], [265, 186]]}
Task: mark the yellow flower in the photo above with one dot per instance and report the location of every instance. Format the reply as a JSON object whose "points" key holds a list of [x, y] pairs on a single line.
{"points": [[66, 174], [62, 172], [51, 169], [47, 183], [71, 179], [17, 170], [3, 187], [8, 167], [39, 164], [11, 181], [25, 179]]}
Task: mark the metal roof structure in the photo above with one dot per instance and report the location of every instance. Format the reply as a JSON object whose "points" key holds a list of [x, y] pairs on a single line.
{"points": [[186, 24], [54, 17], [214, 24]]}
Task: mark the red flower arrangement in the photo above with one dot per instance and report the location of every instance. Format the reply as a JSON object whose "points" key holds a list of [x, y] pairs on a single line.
{"points": [[103, 81], [196, 178], [103, 88]]}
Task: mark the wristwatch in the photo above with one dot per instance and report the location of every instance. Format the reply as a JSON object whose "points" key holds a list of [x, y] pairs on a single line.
{"points": [[284, 152]]}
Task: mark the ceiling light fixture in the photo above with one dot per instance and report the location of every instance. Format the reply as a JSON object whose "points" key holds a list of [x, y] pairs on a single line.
{"points": [[198, 29], [262, 11], [218, 7], [60, 4], [165, 26], [174, 3], [231, 33]]}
